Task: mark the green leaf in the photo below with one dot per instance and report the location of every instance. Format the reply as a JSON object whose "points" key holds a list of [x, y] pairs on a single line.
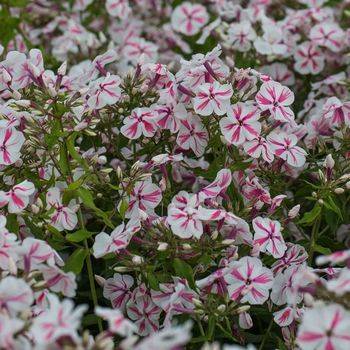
{"points": [[331, 205], [63, 161], [184, 270], [75, 262], [123, 207], [78, 236], [19, 3], [73, 152], [152, 280], [88, 201], [310, 216], [322, 250]]}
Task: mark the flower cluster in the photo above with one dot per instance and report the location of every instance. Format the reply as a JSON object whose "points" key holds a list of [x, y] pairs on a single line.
{"points": [[175, 175]]}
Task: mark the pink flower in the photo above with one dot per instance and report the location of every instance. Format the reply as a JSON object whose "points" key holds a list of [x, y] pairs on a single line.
{"points": [[192, 135], [169, 116], [268, 236], [285, 316], [284, 147], [189, 18], [212, 98], [241, 123], [59, 281], [145, 314], [34, 252], [8, 329], [174, 298], [63, 217], [11, 142], [118, 290], [336, 111], [117, 323], [184, 217], [117, 240], [324, 327], [137, 49], [286, 285], [248, 281], [241, 35], [144, 197], [329, 35], [259, 147], [340, 284], [18, 197], [60, 320], [294, 255], [308, 59], [279, 72], [118, 8], [15, 295], [142, 121], [276, 98], [104, 91]]}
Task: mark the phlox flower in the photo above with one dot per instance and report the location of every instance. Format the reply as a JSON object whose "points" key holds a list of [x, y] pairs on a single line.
{"points": [[286, 316], [17, 198], [259, 147], [248, 281], [336, 111], [60, 320], [118, 290], [308, 59], [15, 295], [118, 8], [144, 197], [145, 314], [59, 281], [285, 286], [340, 284], [189, 18], [192, 135], [117, 240], [241, 35], [142, 121], [271, 43], [324, 327], [212, 98], [268, 236], [284, 147], [169, 116], [329, 35], [137, 49], [63, 217], [294, 255], [276, 99], [279, 72], [34, 252], [104, 91], [11, 142], [117, 323], [241, 123], [8, 328]]}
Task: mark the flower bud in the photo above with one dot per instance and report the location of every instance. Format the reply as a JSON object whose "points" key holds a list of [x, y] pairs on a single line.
{"points": [[221, 308], [329, 162], [100, 280], [339, 190], [228, 241], [137, 260], [162, 246], [186, 246], [243, 308], [320, 201], [294, 211], [347, 185], [62, 68]]}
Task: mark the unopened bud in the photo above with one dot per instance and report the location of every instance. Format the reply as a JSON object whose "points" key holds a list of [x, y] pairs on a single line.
{"points": [[102, 160], [197, 302], [329, 162], [347, 185], [23, 103], [137, 260], [243, 308], [35, 209], [339, 190], [62, 68], [186, 246], [228, 241], [294, 211], [6, 76], [121, 269], [320, 201], [16, 95], [100, 280], [215, 235], [221, 308], [162, 246]]}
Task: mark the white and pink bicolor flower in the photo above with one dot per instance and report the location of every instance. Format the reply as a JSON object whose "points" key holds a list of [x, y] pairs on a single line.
{"points": [[249, 281], [17, 198], [11, 142]]}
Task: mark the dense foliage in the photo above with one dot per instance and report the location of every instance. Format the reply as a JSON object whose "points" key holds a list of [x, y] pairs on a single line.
{"points": [[175, 174]]}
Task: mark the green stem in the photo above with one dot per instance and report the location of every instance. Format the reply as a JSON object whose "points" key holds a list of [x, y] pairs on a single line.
{"points": [[261, 347], [313, 240]]}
